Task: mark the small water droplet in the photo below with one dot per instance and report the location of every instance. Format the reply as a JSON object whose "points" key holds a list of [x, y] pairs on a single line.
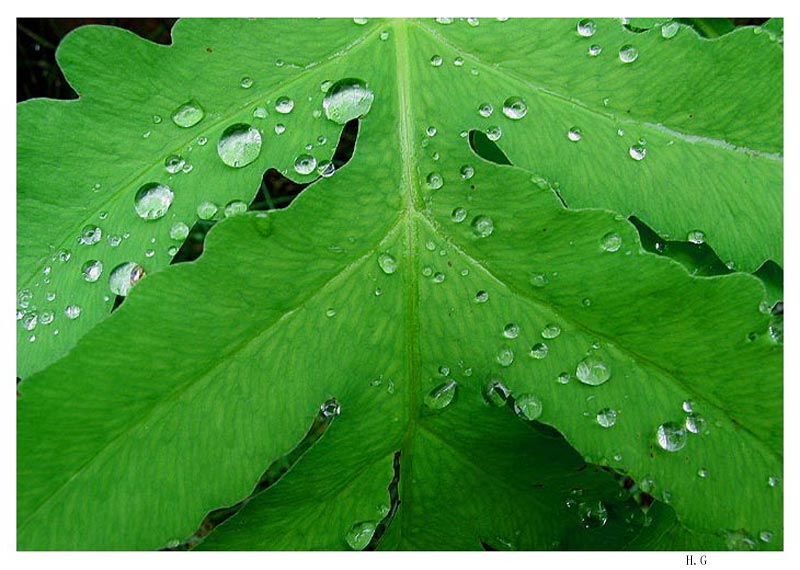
{"points": [[482, 226], [326, 169], [528, 406], [284, 105], [611, 242], [687, 406], [669, 30], [441, 396], [124, 277], [152, 200], [202, 141], [427, 271], [773, 481], [239, 145], [206, 210], [671, 436], [387, 263], [431, 131], [594, 50], [494, 133], [92, 270], [173, 164], [157, 119], [305, 164], [458, 62], [188, 114], [280, 129], [511, 330], [485, 109], [467, 172], [444, 20], [458, 215], [539, 279], [505, 357], [378, 291], [434, 181], [46, 317], [330, 313], [702, 473], [586, 28], [593, 371], [607, 417], [515, 108], [765, 536], [593, 514], [260, 113], [29, 320], [474, 22], [384, 35], [539, 351], [574, 134], [360, 21], [90, 235], [696, 236], [438, 277], [179, 231], [235, 208], [72, 311], [551, 330], [481, 297], [63, 255], [360, 534], [436, 61], [695, 423], [347, 99], [628, 54], [637, 152], [246, 82], [495, 393]]}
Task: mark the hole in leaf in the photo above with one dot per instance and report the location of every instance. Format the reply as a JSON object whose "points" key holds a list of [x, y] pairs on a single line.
{"points": [[486, 149], [394, 498]]}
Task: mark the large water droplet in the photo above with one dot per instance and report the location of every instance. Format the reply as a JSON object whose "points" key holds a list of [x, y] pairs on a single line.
{"points": [[387, 263], [586, 28], [239, 145], [482, 226], [515, 108], [671, 436], [360, 534], [505, 357], [551, 330], [124, 277], [628, 54], [347, 99], [188, 114], [305, 164], [528, 406], [593, 514], [607, 417], [539, 351], [495, 393], [669, 30], [179, 231], [206, 210], [90, 235], [330, 408], [91, 270], [611, 242], [593, 371], [152, 200], [441, 396]]}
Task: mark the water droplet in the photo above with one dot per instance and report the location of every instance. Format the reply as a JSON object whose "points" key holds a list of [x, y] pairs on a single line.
{"points": [[51, 296], [441, 396], [765, 536], [431, 131], [157, 119], [593, 515], [482, 226], [528, 406], [63, 255], [173, 164], [637, 152], [29, 320], [444, 20], [360, 534], [539, 351], [235, 208], [458, 215], [124, 277], [434, 181], [669, 30], [593, 371], [495, 393], [739, 540], [607, 417], [90, 235], [539, 279], [239, 145], [260, 113], [326, 169], [438, 277], [378, 291], [481, 297], [505, 357], [458, 62], [467, 172], [188, 114], [91, 270], [387, 263], [330, 313], [687, 406], [246, 82], [46, 317], [515, 108], [347, 99], [427, 271], [574, 134], [773, 481], [485, 109], [206, 210], [586, 28], [702, 473], [474, 22], [152, 200], [671, 436], [611, 242], [280, 129], [305, 164], [511, 330], [695, 423], [551, 331], [595, 50], [494, 133], [696, 236], [72, 311], [360, 21], [436, 61], [179, 231], [628, 54], [284, 105], [384, 35]]}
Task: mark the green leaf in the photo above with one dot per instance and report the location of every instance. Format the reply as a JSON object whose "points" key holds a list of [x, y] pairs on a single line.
{"points": [[375, 289]]}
